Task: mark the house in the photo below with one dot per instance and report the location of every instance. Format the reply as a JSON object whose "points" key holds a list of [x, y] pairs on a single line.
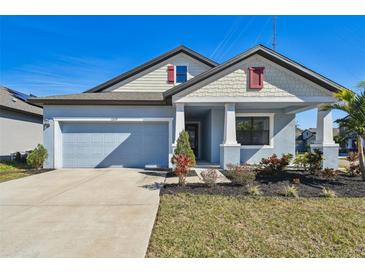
{"points": [[308, 137], [21, 123], [235, 112], [347, 140]]}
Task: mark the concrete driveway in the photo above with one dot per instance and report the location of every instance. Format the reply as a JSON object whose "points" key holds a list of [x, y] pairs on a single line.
{"points": [[79, 213]]}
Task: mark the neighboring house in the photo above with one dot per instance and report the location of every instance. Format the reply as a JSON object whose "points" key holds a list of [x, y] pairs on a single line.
{"points": [[235, 112], [308, 138], [21, 123], [347, 141]]}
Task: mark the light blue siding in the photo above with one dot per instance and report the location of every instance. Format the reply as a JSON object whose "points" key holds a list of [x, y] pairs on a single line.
{"points": [[217, 131], [115, 145], [113, 149], [74, 111]]}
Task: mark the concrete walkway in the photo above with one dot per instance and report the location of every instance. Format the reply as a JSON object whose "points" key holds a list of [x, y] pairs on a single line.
{"points": [[79, 213]]}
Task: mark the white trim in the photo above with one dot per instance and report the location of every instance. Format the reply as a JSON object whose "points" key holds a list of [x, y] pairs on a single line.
{"points": [[255, 99], [271, 128], [57, 133]]}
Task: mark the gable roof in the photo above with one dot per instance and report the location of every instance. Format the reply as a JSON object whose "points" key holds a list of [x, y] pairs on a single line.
{"points": [[163, 98], [151, 63], [17, 101], [268, 54]]}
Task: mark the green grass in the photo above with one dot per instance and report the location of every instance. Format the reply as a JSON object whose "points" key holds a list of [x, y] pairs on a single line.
{"points": [[218, 226], [10, 170]]}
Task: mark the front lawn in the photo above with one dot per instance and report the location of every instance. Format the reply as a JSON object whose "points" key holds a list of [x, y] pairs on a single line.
{"points": [[10, 170], [203, 225]]}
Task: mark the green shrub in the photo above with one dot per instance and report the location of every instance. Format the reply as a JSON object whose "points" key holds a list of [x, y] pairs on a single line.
{"points": [[274, 164], [241, 174], [36, 158], [328, 193], [254, 190], [301, 161], [231, 171], [183, 147], [291, 191], [315, 161], [209, 177]]}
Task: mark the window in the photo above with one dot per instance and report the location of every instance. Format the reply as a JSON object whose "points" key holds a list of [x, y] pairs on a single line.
{"points": [[181, 74], [253, 130]]}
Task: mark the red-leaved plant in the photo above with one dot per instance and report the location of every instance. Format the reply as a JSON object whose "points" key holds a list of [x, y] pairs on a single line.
{"points": [[274, 164], [182, 163]]}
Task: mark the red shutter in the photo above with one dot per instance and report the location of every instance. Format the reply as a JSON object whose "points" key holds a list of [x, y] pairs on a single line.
{"points": [[171, 74], [256, 77]]}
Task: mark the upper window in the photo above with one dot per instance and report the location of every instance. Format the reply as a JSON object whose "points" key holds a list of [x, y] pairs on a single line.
{"points": [[256, 80], [253, 130], [181, 74]]}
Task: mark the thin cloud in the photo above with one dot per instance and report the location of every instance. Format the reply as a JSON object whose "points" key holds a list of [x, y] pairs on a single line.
{"points": [[66, 74]]}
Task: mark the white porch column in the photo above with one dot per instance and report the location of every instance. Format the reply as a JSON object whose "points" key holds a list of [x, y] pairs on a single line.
{"points": [[324, 139], [179, 120], [229, 150], [324, 134], [229, 124]]}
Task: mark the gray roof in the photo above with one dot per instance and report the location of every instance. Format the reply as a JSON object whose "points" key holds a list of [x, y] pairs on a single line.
{"points": [[16, 101], [104, 98]]}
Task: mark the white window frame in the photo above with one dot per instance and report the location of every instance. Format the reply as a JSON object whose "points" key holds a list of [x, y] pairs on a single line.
{"points": [[57, 133], [187, 72], [271, 129]]}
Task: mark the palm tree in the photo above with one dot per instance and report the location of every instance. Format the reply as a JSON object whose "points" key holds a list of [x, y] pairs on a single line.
{"points": [[354, 105], [361, 84]]}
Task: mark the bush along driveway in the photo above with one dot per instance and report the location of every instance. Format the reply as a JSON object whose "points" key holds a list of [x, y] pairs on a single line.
{"points": [[10, 170]]}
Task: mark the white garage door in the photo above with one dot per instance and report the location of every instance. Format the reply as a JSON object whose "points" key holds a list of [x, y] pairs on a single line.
{"points": [[115, 144]]}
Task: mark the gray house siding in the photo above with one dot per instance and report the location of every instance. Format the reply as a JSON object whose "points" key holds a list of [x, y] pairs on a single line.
{"points": [[212, 128], [58, 111], [19, 132], [217, 131]]}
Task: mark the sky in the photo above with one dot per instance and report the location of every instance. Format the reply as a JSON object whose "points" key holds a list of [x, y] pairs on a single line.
{"points": [[53, 55]]}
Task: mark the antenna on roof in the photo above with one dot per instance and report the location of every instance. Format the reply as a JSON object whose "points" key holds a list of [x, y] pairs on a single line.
{"points": [[274, 34]]}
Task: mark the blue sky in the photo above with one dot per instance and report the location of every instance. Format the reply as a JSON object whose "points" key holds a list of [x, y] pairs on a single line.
{"points": [[47, 55]]}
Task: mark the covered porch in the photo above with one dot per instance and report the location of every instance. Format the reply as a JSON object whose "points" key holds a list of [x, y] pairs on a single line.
{"points": [[219, 132]]}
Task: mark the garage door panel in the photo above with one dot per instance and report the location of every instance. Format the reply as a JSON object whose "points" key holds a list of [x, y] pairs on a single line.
{"points": [[115, 144]]}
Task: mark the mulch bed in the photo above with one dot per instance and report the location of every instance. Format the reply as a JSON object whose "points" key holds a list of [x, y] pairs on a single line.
{"points": [[273, 185], [192, 173]]}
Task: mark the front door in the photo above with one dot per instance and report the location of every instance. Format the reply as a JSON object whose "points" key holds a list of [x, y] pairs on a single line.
{"points": [[193, 132]]}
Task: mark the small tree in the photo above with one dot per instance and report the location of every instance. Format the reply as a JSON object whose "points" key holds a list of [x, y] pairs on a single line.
{"points": [[183, 158], [354, 105], [36, 158], [183, 146], [182, 166]]}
